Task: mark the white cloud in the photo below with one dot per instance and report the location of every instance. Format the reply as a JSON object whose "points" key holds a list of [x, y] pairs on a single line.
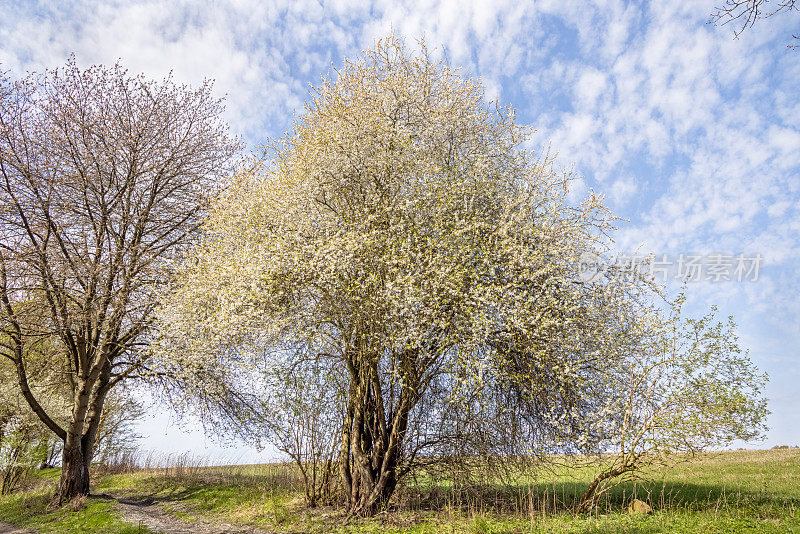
{"points": [[695, 136]]}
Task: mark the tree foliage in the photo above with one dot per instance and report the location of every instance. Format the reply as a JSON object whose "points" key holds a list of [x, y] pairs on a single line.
{"points": [[25, 443], [684, 386]]}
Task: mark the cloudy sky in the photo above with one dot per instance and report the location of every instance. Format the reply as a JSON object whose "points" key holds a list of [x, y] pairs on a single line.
{"points": [[692, 135]]}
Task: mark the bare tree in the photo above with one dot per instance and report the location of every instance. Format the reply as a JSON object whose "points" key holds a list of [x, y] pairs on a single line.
{"points": [[745, 13], [116, 434], [102, 180]]}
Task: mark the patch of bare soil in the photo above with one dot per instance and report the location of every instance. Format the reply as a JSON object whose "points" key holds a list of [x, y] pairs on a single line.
{"points": [[5, 528], [147, 512]]}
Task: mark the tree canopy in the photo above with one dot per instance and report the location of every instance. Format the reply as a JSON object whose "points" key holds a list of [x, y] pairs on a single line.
{"points": [[402, 235], [103, 176]]}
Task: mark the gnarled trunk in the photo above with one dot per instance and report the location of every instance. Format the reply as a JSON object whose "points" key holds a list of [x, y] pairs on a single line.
{"points": [[372, 441], [369, 488]]}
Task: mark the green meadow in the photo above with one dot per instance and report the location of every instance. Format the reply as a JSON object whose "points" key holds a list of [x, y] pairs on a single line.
{"points": [[735, 491]]}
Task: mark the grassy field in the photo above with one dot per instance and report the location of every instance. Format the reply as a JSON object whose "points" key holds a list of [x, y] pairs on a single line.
{"points": [[740, 491], [29, 509]]}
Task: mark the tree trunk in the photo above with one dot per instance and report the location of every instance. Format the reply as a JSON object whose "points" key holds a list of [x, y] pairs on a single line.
{"points": [[590, 496], [372, 445], [80, 440], [370, 490], [74, 473]]}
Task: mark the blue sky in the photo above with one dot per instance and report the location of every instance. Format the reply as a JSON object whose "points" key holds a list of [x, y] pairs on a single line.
{"points": [[692, 135]]}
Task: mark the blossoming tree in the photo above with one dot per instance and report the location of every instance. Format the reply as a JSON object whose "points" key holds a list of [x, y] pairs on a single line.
{"points": [[403, 235]]}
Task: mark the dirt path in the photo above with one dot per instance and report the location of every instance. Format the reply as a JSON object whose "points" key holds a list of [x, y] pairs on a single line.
{"points": [[5, 528], [148, 513]]}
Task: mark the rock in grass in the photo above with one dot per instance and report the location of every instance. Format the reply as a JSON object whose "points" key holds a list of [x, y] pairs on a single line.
{"points": [[639, 507]]}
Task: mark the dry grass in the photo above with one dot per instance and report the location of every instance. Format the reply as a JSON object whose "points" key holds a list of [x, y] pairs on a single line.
{"points": [[727, 490], [77, 503]]}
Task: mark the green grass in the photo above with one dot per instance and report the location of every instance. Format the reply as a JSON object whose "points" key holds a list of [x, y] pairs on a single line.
{"points": [[256, 495], [742, 491], [30, 509]]}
